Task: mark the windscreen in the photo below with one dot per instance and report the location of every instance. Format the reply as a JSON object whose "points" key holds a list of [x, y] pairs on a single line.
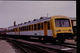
{"points": [[62, 22]]}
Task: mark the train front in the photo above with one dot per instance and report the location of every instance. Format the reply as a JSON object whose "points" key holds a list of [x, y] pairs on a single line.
{"points": [[61, 27]]}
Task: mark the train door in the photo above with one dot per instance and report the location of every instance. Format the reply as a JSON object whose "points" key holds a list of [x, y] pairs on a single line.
{"points": [[14, 31], [45, 28], [17, 31]]}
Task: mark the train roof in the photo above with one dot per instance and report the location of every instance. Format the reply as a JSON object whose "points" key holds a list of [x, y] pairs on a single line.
{"points": [[42, 19], [72, 18], [1, 29]]}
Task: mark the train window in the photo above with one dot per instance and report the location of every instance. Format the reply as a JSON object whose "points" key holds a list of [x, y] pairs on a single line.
{"points": [[62, 22], [39, 26], [15, 29], [29, 27], [12, 30], [48, 25], [34, 26], [42, 26], [21, 29], [24, 28]]}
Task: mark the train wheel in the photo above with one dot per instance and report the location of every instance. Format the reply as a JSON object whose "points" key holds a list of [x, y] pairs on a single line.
{"points": [[61, 39], [40, 38]]}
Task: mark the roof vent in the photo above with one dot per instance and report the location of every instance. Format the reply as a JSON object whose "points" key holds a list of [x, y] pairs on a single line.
{"points": [[14, 23], [29, 21], [43, 17], [21, 23], [35, 19], [25, 22]]}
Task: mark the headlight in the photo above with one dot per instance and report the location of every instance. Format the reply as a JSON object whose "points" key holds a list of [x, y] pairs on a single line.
{"points": [[58, 30], [70, 30]]}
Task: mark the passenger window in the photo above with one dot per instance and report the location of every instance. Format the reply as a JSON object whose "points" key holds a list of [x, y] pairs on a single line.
{"points": [[22, 28], [48, 25], [25, 28], [42, 26], [29, 27], [34, 26], [39, 26]]}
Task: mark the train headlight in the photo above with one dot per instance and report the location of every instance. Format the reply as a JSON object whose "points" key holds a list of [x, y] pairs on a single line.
{"points": [[58, 30], [70, 30]]}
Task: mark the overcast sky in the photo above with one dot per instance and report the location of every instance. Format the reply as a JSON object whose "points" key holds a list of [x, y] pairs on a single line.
{"points": [[23, 11]]}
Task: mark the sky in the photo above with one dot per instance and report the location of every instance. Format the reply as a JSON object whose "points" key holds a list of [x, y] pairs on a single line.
{"points": [[24, 11]]}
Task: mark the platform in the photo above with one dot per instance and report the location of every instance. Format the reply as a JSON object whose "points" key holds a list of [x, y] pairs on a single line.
{"points": [[5, 47], [70, 41]]}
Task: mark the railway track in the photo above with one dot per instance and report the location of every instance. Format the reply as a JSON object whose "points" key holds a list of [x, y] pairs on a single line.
{"points": [[29, 48], [45, 48], [37, 47], [71, 45], [18, 47], [67, 45]]}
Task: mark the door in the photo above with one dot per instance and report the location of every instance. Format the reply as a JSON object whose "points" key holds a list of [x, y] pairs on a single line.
{"points": [[45, 28]]}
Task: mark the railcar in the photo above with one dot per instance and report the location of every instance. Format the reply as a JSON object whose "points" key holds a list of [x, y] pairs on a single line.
{"points": [[2, 31], [74, 26], [46, 28]]}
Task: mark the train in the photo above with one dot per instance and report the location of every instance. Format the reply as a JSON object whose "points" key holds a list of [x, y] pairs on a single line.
{"points": [[54, 28], [74, 26], [3, 31]]}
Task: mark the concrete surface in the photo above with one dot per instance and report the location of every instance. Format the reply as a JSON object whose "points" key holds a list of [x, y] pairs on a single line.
{"points": [[70, 41], [5, 47]]}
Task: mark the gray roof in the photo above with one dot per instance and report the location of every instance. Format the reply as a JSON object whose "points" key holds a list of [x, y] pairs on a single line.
{"points": [[38, 20], [72, 18]]}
